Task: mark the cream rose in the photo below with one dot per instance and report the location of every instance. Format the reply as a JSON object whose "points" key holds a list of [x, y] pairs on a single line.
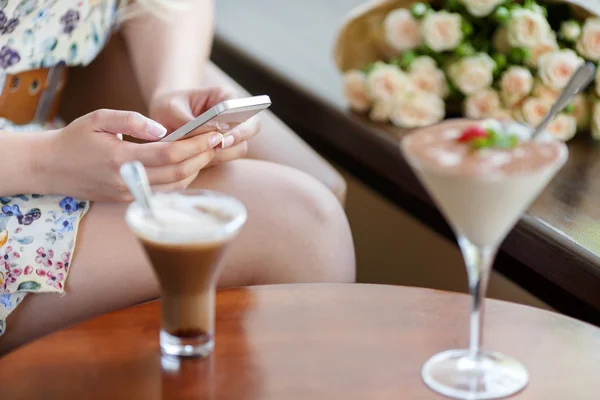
{"points": [[386, 81], [563, 127], [442, 30], [543, 91], [516, 84], [548, 45], [417, 110], [596, 120], [472, 74], [355, 90], [570, 30], [533, 110], [423, 62], [402, 30], [428, 77], [481, 8], [556, 68], [588, 44], [482, 104], [380, 112], [527, 28], [581, 111]]}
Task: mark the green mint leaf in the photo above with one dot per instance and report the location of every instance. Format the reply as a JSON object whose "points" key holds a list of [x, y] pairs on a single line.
{"points": [[480, 143]]}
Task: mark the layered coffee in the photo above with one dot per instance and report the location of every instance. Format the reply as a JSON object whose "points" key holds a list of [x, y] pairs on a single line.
{"points": [[185, 239]]}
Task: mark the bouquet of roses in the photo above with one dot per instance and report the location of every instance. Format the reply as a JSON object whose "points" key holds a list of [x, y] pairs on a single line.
{"points": [[483, 58]]}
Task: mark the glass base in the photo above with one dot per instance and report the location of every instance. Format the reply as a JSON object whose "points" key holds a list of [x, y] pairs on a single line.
{"points": [[197, 346], [491, 376]]}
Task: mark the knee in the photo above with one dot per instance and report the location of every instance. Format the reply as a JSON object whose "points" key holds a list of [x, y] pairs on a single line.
{"points": [[319, 226], [297, 230], [339, 187]]}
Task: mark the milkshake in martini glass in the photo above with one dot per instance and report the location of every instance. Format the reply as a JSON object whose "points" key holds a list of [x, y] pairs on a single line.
{"points": [[482, 175]]}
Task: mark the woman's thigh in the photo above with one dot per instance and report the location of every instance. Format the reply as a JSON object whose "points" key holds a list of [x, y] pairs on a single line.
{"points": [[296, 232]]}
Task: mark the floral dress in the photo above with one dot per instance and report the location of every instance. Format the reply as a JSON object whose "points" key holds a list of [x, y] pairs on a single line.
{"points": [[37, 233]]}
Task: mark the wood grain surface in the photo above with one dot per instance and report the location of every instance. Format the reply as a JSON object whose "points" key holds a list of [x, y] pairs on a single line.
{"points": [[313, 341]]}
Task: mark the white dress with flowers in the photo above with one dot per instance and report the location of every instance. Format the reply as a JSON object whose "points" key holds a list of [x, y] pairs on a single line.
{"points": [[37, 233]]}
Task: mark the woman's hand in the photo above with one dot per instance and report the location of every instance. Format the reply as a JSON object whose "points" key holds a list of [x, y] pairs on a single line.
{"points": [[178, 108], [83, 159]]}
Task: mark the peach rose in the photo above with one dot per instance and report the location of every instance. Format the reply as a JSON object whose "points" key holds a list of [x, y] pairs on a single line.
{"points": [[556, 68], [548, 45], [442, 30], [482, 104], [526, 28], [386, 81], [472, 74], [402, 30], [417, 110], [533, 110], [423, 62], [588, 44], [481, 8], [543, 91], [355, 90], [516, 84], [426, 76], [380, 112], [563, 127]]}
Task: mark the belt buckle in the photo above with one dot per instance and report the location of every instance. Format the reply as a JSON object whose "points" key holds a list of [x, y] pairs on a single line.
{"points": [[47, 98]]}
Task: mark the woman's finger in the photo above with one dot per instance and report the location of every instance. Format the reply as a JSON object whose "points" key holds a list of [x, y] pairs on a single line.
{"points": [[125, 122], [241, 133], [180, 171], [159, 154], [230, 153], [170, 187]]}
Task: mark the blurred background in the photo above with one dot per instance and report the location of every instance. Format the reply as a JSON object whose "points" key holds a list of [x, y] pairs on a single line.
{"points": [[391, 246]]}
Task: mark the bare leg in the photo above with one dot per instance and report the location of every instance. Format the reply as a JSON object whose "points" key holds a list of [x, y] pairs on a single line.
{"points": [[296, 232], [278, 143]]}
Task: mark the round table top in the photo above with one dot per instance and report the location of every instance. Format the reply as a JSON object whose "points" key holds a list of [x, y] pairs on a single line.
{"points": [[310, 341]]}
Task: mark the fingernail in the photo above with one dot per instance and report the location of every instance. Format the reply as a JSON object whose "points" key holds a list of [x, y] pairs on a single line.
{"points": [[155, 129], [215, 139], [227, 141]]}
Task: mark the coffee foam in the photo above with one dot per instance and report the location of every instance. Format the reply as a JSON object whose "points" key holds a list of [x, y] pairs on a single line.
{"points": [[187, 219]]}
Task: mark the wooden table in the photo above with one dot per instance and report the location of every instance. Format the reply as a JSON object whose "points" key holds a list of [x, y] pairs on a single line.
{"points": [[290, 342], [284, 48]]}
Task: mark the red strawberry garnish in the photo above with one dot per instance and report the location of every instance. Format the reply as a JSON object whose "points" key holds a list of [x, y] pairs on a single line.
{"points": [[473, 132]]}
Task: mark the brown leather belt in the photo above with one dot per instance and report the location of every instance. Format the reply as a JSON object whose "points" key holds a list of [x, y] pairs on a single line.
{"points": [[33, 96]]}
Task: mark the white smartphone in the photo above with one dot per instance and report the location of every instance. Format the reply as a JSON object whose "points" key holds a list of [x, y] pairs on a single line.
{"points": [[224, 116]]}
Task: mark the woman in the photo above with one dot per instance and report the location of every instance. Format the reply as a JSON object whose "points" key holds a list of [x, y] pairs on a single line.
{"points": [[74, 168]]}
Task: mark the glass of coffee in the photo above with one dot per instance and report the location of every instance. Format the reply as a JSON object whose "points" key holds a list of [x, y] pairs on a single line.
{"points": [[185, 239]]}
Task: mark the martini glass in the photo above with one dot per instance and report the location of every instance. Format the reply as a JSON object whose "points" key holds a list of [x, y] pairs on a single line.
{"points": [[481, 209]]}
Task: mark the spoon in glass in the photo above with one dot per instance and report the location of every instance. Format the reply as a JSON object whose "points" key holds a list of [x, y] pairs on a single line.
{"points": [[134, 175]]}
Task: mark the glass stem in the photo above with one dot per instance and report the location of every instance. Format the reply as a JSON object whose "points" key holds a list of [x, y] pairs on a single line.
{"points": [[479, 262]]}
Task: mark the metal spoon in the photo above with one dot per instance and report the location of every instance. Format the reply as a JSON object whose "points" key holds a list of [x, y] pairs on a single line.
{"points": [[134, 175], [579, 81]]}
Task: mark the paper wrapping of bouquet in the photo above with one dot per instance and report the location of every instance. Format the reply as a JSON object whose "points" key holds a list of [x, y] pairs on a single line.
{"points": [[360, 39]]}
